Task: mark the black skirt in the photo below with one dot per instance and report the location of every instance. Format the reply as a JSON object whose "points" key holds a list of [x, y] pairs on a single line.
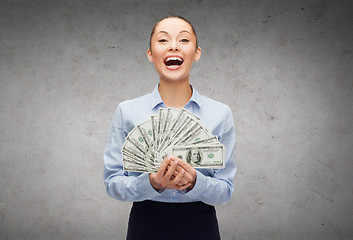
{"points": [[169, 221]]}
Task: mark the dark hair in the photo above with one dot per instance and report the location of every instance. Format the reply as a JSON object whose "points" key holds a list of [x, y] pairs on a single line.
{"points": [[174, 16]]}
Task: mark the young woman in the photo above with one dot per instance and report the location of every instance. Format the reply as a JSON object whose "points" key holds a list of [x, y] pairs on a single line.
{"points": [[178, 201]]}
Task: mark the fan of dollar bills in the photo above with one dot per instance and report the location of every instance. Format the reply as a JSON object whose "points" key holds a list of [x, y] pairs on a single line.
{"points": [[172, 132]]}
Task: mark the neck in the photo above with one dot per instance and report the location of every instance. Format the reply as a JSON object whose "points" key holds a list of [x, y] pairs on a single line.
{"points": [[175, 94]]}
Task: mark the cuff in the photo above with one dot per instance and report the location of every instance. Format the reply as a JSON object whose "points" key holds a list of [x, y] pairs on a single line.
{"points": [[145, 186], [199, 187]]}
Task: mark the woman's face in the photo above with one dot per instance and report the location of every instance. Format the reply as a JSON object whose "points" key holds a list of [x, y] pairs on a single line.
{"points": [[173, 47]]}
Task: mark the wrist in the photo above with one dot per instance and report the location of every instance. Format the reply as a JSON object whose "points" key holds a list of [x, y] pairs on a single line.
{"points": [[192, 183], [154, 184]]}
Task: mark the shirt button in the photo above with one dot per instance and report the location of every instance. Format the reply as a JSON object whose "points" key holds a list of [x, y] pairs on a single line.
{"points": [[174, 193]]}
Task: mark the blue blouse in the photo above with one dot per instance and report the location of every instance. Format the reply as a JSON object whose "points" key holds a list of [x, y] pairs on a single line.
{"points": [[213, 186]]}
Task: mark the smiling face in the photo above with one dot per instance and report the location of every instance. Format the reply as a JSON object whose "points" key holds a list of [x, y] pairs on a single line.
{"points": [[173, 46]]}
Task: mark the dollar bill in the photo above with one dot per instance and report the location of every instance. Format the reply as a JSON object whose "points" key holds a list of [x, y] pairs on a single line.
{"points": [[131, 165], [132, 161], [171, 120], [182, 129], [130, 148], [154, 124], [201, 156], [161, 122], [211, 140], [194, 134], [145, 130], [175, 132]]}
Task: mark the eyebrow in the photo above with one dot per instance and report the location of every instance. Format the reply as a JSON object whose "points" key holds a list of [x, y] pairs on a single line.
{"points": [[168, 33]]}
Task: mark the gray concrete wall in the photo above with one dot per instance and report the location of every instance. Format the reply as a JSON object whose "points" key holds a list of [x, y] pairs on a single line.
{"points": [[284, 67]]}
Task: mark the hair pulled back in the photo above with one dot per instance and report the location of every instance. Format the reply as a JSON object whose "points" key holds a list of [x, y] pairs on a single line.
{"points": [[173, 16]]}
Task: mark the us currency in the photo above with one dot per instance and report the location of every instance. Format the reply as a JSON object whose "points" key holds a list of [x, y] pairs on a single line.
{"points": [[161, 121], [145, 130], [131, 149], [185, 124], [172, 120], [194, 134], [181, 121], [189, 135], [174, 127], [163, 113], [154, 124], [136, 139], [140, 143], [170, 132], [131, 165], [211, 140], [136, 149], [201, 156], [130, 161], [183, 127]]}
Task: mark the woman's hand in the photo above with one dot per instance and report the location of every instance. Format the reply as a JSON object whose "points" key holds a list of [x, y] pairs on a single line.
{"points": [[168, 177], [189, 175], [190, 172]]}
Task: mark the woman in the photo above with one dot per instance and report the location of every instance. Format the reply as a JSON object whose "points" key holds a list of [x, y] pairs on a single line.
{"points": [[177, 201]]}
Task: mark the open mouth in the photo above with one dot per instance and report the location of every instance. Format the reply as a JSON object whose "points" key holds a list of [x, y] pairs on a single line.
{"points": [[173, 62]]}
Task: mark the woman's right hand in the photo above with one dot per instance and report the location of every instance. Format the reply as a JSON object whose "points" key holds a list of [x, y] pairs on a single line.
{"points": [[168, 177]]}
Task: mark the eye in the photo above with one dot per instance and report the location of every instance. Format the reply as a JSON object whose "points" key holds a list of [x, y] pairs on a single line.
{"points": [[162, 40], [185, 40]]}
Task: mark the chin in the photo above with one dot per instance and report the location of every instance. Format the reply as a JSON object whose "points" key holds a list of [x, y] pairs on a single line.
{"points": [[175, 78]]}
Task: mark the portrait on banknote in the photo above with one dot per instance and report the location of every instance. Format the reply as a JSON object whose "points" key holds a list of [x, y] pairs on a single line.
{"points": [[194, 156]]}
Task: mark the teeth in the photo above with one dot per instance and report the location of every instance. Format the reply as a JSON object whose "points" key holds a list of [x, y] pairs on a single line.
{"points": [[173, 58]]}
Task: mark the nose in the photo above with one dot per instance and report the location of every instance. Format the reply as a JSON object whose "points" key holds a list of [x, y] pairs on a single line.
{"points": [[174, 45]]}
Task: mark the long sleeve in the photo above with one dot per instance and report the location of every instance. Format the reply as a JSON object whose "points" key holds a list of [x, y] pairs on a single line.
{"points": [[213, 186], [218, 188], [119, 184]]}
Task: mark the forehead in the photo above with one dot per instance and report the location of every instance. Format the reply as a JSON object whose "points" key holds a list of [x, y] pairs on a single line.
{"points": [[173, 26]]}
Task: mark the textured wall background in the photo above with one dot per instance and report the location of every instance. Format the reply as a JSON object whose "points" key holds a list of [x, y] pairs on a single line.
{"points": [[284, 67]]}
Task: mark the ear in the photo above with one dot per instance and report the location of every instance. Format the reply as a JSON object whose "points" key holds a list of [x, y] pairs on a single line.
{"points": [[198, 54], [149, 55]]}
